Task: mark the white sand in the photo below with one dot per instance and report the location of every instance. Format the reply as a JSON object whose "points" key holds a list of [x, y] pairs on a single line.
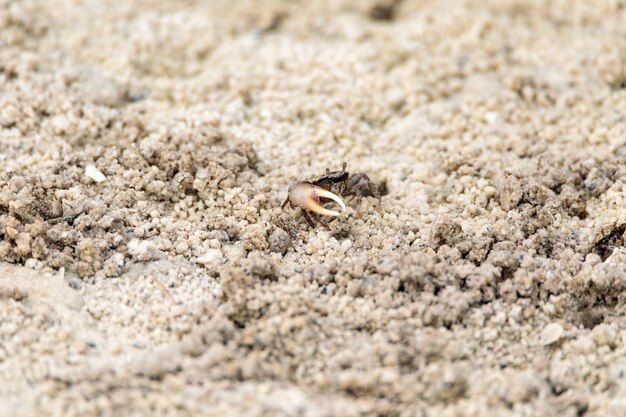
{"points": [[146, 267]]}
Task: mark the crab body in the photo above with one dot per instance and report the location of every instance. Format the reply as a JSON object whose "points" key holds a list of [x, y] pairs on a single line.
{"points": [[334, 181], [359, 185]]}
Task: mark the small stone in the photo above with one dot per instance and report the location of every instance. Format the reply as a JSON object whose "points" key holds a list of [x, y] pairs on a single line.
{"points": [[116, 348], [383, 10], [114, 266], [490, 191], [491, 117], [143, 250], [550, 334], [279, 241], [182, 247], [210, 257], [23, 242], [585, 345], [345, 245], [63, 335], [60, 123], [11, 232], [100, 89], [604, 335], [510, 193], [94, 173]]}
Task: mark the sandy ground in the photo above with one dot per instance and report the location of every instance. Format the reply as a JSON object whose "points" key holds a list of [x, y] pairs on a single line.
{"points": [[147, 269]]}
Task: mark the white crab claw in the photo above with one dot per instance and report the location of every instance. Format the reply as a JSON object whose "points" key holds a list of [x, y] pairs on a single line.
{"points": [[307, 196], [327, 194]]}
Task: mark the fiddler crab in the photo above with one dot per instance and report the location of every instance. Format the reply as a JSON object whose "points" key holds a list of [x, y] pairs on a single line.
{"points": [[310, 195]]}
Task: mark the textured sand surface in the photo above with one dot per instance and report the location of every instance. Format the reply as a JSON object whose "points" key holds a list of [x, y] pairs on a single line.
{"points": [[147, 269]]}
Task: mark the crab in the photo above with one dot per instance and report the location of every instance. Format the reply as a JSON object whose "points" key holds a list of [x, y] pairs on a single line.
{"points": [[309, 195]]}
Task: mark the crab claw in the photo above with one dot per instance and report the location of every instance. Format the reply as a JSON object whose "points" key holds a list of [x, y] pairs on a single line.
{"points": [[307, 196]]}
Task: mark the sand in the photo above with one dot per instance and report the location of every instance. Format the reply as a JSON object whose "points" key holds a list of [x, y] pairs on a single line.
{"points": [[146, 265]]}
